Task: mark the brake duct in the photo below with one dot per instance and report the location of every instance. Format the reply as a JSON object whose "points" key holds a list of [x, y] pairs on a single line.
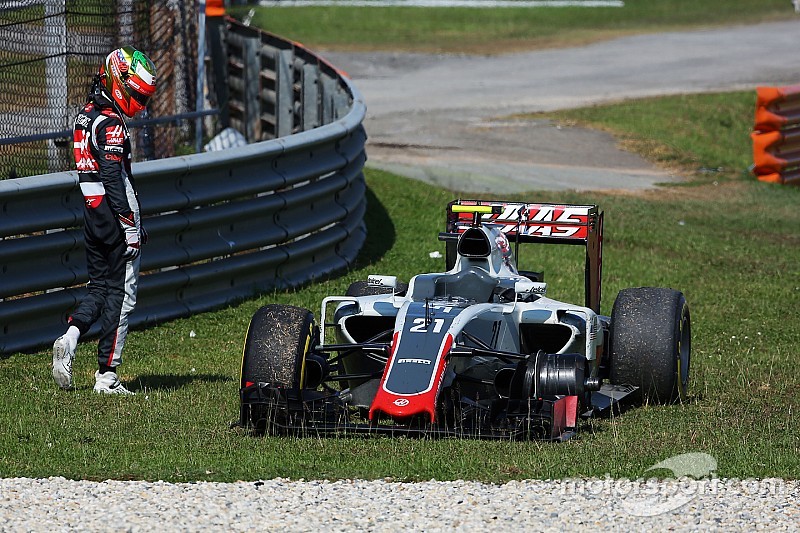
{"points": [[543, 375]]}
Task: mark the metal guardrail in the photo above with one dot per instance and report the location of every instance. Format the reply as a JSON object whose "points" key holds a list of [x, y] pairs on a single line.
{"points": [[223, 225]]}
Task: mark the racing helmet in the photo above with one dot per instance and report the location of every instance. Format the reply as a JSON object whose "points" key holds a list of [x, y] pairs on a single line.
{"points": [[129, 78]]}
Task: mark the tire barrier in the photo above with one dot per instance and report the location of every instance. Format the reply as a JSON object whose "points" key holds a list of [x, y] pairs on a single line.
{"points": [[776, 136], [223, 225]]}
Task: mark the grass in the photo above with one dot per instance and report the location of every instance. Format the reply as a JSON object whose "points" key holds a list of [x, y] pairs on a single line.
{"points": [[490, 31], [665, 130], [729, 242]]}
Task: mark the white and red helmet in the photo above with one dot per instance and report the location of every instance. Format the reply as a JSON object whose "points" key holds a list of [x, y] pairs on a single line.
{"points": [[129, 78]]}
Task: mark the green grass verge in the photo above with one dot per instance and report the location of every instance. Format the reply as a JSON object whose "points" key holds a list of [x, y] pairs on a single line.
{"points": [[732, 247], [494, 30], [708, 134]]}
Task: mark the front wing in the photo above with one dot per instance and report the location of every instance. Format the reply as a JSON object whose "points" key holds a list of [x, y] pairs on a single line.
{"points": [[284, 411]]}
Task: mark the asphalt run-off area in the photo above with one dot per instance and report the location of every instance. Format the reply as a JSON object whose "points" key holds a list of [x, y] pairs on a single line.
{"points": [[446, 118]]}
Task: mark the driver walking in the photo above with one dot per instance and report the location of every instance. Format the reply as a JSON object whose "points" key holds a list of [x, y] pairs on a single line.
{"points": [[112, 228]]}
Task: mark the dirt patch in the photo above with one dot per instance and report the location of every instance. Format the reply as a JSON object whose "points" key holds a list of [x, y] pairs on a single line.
{"points": [[510, 156]]}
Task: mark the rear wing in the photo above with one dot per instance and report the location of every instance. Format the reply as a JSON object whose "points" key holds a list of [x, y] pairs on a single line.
{"points": [[537, 223]]}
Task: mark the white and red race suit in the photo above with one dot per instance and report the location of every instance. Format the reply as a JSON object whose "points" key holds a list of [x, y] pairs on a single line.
{"points": [[112, 228]]}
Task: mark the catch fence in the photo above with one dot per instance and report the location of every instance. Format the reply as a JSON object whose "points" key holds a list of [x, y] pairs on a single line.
{"points": [[51, 49]]}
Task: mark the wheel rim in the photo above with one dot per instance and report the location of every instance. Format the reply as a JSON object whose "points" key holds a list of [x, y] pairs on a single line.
{"points": [[684, 354], [302, 380]]}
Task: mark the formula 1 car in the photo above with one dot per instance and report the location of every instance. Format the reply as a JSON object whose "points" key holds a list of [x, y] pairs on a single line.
{"points": [[478, 350]]}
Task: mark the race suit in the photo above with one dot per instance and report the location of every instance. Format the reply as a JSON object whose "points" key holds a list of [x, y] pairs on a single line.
{"points": [[102, 150]]}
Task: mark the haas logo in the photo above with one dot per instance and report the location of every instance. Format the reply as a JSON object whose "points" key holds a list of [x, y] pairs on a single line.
{"points": [[400, 402], [115, 136]]}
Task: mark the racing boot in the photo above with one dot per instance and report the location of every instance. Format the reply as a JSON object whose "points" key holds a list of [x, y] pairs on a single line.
{"points": [[109, 383], [63, 355]]}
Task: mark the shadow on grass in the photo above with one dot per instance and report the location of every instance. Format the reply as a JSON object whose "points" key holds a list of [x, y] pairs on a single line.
{"points": [[381, 233], [173, 381]]}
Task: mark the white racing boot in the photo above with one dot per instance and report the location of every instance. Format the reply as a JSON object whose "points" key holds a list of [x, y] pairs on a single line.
{"points": [[63, 355], [109, 383]]}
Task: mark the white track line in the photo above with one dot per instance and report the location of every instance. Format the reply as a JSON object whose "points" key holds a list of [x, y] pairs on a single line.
{"points": [[443, 3]]}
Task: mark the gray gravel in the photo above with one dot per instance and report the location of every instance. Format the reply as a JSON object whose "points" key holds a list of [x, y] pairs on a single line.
{"points": [[57, 504]]}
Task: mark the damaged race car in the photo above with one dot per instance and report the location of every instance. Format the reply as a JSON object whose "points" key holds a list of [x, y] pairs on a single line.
{"points": [[478, 350]]}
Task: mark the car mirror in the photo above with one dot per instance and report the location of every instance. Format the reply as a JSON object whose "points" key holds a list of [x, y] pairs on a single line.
{"points": [[530, 287], [386, 282]]}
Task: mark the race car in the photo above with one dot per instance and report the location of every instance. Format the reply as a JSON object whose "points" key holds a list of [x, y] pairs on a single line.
{"points": [[477, 350]]}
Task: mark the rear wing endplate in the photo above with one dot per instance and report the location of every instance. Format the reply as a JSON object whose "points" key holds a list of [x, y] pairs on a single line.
{"points": [[538, 223]]}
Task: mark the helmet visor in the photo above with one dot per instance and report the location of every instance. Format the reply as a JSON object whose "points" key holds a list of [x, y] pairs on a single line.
{"points": [[140, 98]]}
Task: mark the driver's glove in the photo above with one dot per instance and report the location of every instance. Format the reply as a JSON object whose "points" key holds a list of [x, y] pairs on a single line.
{"points": [[131, 233]]}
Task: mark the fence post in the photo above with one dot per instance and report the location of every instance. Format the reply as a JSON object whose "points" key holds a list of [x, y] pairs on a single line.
{"points": [[56, 75], [216, 31], [310, 97], [201, 74], [328, 104], [252, 88], [284, 97]]}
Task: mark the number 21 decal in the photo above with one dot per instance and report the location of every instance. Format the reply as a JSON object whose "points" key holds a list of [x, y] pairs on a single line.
{"points": [[420, 327]]}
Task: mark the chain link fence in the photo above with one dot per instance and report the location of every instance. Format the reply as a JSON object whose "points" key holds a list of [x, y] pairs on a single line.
{"points": [[51, 49]]}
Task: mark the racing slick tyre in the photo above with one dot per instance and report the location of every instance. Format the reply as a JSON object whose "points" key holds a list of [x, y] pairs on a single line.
{"points": [[277, 342], [363, 288], [276, 348], [650, 344]]}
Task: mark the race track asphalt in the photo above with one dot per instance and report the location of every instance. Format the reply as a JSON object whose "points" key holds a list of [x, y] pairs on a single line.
{"points": [[444, 118]]}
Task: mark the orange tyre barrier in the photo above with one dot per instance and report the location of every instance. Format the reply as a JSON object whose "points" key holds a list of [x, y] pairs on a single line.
{"points": [[776, 136], [215, 8]]}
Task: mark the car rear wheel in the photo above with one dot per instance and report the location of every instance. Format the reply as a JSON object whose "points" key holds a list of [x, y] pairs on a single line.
{"points": [[651, 343]]}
